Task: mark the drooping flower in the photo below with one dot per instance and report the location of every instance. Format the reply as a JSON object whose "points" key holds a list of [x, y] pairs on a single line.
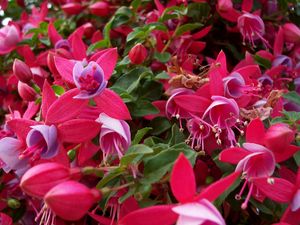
{"points": [[41, 142], [115, 136], [9, 155], [252, 28], [9, 37], [89, 80], [192, 208], [201, 212]]}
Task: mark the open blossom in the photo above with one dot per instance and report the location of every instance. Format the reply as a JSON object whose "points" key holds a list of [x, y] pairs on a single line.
{"points": [[252, 28], [197, 213], [115, 137], [41, 142], [89, 80], [9, 37]]}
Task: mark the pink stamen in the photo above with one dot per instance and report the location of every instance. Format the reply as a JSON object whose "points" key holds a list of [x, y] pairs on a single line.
{"points": [[88, 83]]}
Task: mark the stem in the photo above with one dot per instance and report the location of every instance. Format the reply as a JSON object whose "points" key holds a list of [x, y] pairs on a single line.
{"points": [[171, 38]]}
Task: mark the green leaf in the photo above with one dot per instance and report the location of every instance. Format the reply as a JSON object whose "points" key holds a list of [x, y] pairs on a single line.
{"points": [[292, 96], [142, 108], [135, 153], [198, 11], [129, 193], [140, 135], [158, 165], [59, 90], [187, 27], [163, 75], [262, 61], [177, 136], [110, 176], [160, 125], [297, 158], [97, 45], [225, 194], [162, 57]]}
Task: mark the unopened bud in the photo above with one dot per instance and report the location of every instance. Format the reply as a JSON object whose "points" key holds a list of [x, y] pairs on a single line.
{"points": [[22, 71], [138, 54]]}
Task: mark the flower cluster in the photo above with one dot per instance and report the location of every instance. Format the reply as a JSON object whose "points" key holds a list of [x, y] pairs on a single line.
{"points": [[150, 112]]}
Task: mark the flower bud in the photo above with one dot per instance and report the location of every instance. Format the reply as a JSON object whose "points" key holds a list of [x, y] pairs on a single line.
{"points": [[38, 180], [22, 71], [138, 54], [291, 33], [63, 200], [278, 137], [72, 8], [26, 92], [99, 9]]}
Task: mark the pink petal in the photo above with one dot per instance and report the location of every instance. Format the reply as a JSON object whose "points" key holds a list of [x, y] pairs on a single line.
{"points": [[154, 215], [255, 132], [31, 110], [64, 68], [290, 217], [279, 42], [101, 219], [159, 6], [233, 155], [111, 104], [213, 191], [247, 5], [108, 61], [86, 151], [21, 127], [288, 152], [65, 108], [216, 82], [78, 47], [48, 97], [54, 36], [277, 189], [192, 103], [251, 71], [201, 33], [182, 180], [85, 130]]}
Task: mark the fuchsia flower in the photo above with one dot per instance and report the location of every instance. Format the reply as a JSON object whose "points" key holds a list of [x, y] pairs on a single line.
{"points": [[193, 208], [63, 200], [291, 33], [89, 80], [115, 136], [41, 142], [283, 191], [9, 38], [252, 28], [38, 180], [138, 54], [9, 154], [254, 159]]}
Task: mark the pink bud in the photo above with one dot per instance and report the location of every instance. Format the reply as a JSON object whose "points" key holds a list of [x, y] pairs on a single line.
{"points": [[72, 8], [38, 180], [71, 200], [291, 33], [99, 9], [22, 71], [278, 137], [138, 54], [26, 92]]}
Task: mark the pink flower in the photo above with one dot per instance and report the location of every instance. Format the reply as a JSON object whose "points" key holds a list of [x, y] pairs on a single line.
{"points": [[197, 213], [291, 33], [100, 9], [22, 71], [115, 137], [9, 38], [89, 80], [38, 180], [223, 112], [252, 28], [63, 200]]}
